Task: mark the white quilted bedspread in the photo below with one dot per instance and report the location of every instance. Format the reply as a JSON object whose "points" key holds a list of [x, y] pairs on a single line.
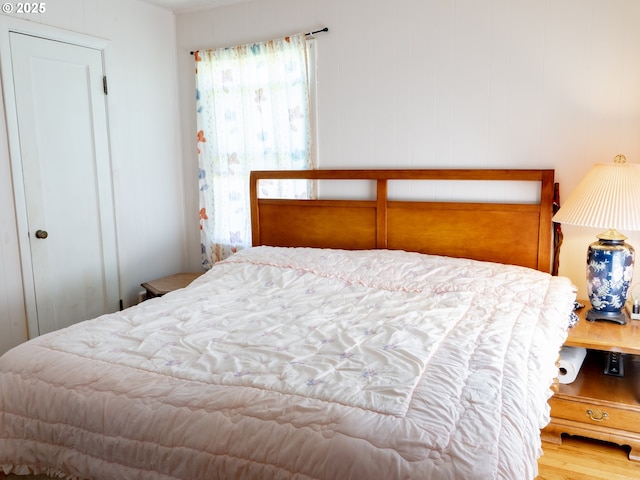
{"points": [[298, 363]]}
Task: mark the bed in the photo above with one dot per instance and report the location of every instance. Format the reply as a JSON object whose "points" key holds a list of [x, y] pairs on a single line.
{"points": [[357, 339]]}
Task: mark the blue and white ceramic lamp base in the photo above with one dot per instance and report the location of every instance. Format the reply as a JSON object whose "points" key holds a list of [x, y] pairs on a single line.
{"points": [[609, 274]]}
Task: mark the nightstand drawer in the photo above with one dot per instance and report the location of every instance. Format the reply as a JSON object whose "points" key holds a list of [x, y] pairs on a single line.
{"points": [[595, 413]]}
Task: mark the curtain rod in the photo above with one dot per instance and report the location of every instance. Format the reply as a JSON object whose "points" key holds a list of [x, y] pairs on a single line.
{"points": [[325, 29]]}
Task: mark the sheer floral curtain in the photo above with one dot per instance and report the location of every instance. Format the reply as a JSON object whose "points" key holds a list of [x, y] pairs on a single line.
{"points": [[252, 114]]}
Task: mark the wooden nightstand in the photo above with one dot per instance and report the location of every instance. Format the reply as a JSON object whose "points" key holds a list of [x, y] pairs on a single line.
{"points": [[596, 405], [160, 286]]}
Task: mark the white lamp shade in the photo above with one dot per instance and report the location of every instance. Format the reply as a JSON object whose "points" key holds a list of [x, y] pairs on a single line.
{"points": [[607, 197]]}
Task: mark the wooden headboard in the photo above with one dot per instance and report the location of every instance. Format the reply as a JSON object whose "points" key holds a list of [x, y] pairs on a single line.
{"points": [[514, 233]]}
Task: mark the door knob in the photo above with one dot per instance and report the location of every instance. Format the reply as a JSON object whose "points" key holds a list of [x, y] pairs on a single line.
{"points": [[41, 234]]}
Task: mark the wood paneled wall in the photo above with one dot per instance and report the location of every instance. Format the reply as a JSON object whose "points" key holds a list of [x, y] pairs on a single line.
{"points": [[454, 84]]}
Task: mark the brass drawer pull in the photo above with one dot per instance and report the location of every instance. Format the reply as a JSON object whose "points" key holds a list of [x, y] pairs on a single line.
{"points": [[597, 416]]}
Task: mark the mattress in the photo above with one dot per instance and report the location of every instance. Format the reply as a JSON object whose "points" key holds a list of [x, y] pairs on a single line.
{"points": [[303, 363]]}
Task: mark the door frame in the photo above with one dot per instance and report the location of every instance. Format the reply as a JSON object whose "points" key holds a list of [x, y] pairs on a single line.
{"points": [[7, 25]]}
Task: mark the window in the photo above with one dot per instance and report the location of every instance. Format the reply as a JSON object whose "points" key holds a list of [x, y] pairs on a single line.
{"points": [[253, 113]]}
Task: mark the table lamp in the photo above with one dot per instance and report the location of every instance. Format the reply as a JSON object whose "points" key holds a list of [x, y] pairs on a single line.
{"points": [[607, 197]]}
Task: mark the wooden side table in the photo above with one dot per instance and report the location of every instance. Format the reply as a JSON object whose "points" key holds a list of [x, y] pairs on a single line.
{"points": [[596, 405], [160, 286]]}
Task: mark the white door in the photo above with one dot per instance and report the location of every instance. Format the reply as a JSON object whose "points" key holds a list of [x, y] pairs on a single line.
{"points": [[64, 152]]}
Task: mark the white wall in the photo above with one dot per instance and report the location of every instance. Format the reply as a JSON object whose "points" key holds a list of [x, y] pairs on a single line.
{"points": [[140, 62], [445, 83]]}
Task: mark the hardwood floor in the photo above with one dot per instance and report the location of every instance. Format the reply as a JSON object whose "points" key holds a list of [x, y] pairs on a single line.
{"points": [[584, 459]]}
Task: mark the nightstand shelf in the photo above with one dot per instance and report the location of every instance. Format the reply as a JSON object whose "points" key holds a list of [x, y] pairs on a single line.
{"points": [[596, 405], [164, 285]]}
